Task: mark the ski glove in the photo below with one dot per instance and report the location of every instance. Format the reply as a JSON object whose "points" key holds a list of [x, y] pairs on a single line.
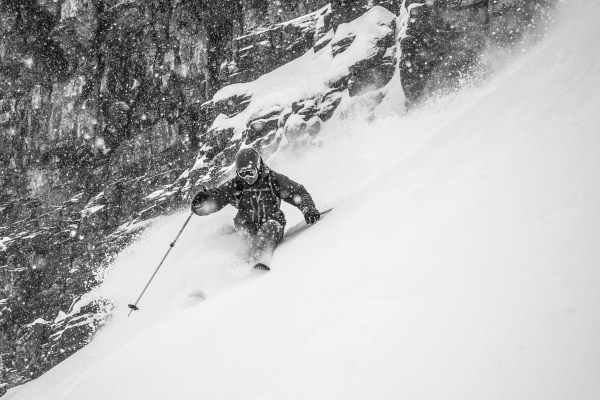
{"points": [[199, 200], [312, 215]]}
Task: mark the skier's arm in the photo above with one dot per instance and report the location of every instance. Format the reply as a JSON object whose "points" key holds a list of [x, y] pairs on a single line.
{"points": [[208, 201], [294, 193]]}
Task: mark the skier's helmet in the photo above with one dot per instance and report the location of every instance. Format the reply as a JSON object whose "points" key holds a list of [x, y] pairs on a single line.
{"points": [[248, 165]]}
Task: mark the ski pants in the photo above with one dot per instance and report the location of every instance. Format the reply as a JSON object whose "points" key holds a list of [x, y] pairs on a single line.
{"points": [[263, 238]]}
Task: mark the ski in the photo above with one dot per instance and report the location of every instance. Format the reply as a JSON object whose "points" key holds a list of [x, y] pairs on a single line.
{"points": [[301, 227]]}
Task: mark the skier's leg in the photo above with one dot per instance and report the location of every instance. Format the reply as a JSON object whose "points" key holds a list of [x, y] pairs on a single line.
{"points": [[249, 232], [266, 240]]}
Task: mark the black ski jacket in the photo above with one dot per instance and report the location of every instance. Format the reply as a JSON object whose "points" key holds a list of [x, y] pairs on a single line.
{"points": [[256, 203]]}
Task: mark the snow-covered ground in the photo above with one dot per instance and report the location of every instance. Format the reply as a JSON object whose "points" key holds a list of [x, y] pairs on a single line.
{"points": [[461, 262]]}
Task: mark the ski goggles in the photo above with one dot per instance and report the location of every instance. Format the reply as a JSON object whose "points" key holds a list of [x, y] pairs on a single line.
{"points": [[248, 172]]}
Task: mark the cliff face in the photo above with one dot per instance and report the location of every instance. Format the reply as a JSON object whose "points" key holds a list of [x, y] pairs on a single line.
{"points": [[99, 106], [108, 117]]}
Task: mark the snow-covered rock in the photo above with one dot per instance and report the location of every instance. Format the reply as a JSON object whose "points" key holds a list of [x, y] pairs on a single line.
{"points": [[39, 321], [359, 58]]}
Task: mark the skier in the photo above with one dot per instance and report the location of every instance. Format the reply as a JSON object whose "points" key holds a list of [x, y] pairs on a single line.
{"points": [[256, 191]]}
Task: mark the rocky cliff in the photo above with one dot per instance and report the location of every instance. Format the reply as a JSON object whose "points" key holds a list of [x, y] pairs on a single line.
{"points": [[111, 112]]}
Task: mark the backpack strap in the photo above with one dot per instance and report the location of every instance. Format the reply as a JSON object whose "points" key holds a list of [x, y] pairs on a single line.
{"points": [[238, 193], [273, 192], [274, 189]]}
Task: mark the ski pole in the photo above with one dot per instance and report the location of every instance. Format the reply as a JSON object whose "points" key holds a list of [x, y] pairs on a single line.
{"points": [[134, 306]]}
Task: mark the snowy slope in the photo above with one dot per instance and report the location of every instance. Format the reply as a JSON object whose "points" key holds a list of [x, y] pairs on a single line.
{"points": [[461, 261]]}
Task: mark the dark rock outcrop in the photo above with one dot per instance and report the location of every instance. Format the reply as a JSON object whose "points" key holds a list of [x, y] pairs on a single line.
{"points": [[445, 39], [266, 48]]}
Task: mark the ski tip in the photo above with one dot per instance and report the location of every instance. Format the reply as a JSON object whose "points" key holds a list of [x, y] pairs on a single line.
{"points": [[261, 267], [326, 211]]}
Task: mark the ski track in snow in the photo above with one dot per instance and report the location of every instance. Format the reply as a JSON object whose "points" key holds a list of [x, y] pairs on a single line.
{"points": [[461, 261]]}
